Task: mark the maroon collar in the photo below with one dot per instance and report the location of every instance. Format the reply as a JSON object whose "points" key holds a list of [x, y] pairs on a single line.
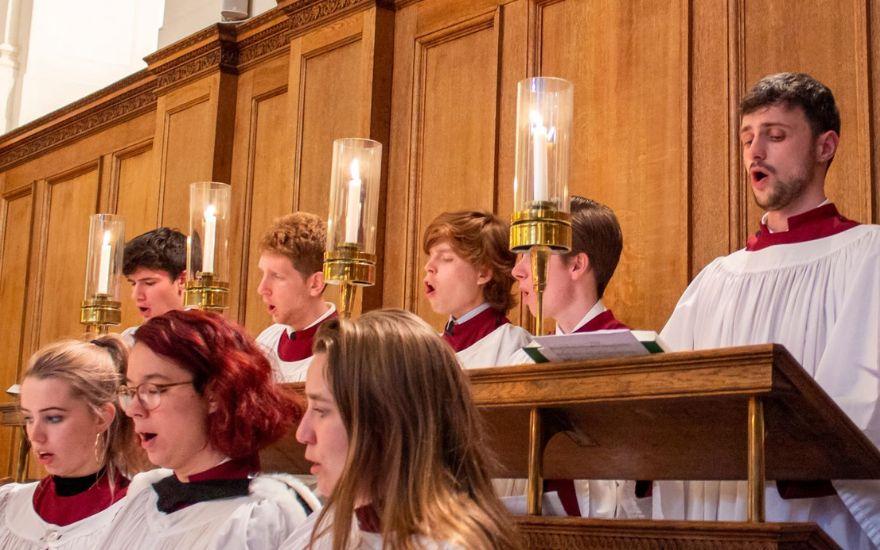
{"points": [[64, 510], [817, 223], [298, 345], [239, 468], [603, 321], [463, 335], [368, 519]]}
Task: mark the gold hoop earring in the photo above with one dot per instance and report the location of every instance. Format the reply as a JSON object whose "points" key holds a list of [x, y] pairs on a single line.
{"points": [[100, 449]]}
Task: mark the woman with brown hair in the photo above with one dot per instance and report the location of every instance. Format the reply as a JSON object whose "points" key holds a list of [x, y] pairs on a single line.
{"points": [[396, 443], [68, 400]]}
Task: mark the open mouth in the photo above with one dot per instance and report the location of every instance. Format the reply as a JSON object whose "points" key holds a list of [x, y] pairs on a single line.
{"points": [[429, 289], [759, 175], [146, 438], [271, 308], [45, 457], [143, 310]]}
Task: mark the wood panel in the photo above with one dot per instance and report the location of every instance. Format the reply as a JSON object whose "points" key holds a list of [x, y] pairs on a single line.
{"points": [[263, 169], [16, 210], [336, 74], [70, 199], [628, 62], [773, 44], [448, 132], [135, 191]]}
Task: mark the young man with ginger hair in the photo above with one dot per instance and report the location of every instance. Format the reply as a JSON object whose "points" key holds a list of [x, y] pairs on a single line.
{"points": [[292, 286], [467, 276]]}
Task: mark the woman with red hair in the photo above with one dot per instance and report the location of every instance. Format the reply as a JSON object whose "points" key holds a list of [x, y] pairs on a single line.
{"points": [[203, 401]]}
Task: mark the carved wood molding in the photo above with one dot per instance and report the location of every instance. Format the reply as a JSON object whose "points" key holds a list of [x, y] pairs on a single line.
{"points": [[91, 114], [227, 47], [585, 534]]}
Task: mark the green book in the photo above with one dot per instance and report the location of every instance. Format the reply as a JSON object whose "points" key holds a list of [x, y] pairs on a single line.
{"points": [[594, 345]]}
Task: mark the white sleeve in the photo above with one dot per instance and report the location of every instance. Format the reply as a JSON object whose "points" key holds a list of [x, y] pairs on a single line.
{"points": [[678, 333], [282, 504]]}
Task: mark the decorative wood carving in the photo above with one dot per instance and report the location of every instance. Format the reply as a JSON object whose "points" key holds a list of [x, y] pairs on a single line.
{"points": [[91, 114]]}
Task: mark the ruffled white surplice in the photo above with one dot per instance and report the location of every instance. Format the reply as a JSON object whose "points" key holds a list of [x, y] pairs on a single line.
{"points": [[23, 529], [821, 300], [260, 520]]}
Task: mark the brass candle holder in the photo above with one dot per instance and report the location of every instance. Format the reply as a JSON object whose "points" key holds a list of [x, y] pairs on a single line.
{"points": [[349, 268], [100, 307], [207, 264], [206, 293], [540, 231], [350, 256], [99, 313], [541, 223]]}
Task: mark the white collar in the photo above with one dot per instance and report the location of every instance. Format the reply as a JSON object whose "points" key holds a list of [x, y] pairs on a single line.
{"points": [[470, 314], [594, 311], [331, 309], [764, 217]]}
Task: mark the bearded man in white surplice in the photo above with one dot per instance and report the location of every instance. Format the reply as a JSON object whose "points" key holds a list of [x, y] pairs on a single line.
{"points": [[810, 280]]}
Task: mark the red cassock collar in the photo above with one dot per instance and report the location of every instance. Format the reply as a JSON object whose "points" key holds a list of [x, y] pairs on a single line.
{"points": [[463, 335], [64, 510], [817, 223], [603, 321], [298, 345]]}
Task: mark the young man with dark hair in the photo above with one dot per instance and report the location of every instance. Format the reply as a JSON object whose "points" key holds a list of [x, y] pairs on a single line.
{"points": [[154, 264], [808, 279], [292, 286], [577, 281]]}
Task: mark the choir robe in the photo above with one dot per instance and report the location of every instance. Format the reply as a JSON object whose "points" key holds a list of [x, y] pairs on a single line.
{"points": [[816, 290], [484, 337], [290, 351], [365, 535], [273, 508], [594, 498], [35, 516]]}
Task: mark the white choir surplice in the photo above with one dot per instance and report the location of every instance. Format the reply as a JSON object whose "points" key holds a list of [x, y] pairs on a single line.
{"points": [[362, 540], [260, 520], [287, 371], [23, 529], [499, 348], [821, 300]]}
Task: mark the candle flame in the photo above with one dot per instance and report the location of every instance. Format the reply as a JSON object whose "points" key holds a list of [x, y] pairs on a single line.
{"points": [[536, 119], [210, 211], [355, 169], [106, 238]]}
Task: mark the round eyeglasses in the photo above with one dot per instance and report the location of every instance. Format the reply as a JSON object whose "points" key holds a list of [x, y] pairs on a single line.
{"points": [[149, 394]]}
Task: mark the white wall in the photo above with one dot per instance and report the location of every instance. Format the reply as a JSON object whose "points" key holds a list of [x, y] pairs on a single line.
{"points": [[184, 17], [77, 47]]}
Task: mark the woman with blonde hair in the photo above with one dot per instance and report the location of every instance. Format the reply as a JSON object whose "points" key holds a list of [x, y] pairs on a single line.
{"points": [[396, 443], [68, 400]]}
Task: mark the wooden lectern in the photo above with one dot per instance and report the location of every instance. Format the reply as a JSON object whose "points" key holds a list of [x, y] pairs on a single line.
{"points": [[729, 414]]}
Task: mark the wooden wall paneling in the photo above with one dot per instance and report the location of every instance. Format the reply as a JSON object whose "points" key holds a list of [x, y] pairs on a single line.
{"points": [[714, 141], [629, 64], [71, 197], [16, 224], [873, 19], [135, 197], [828, 41], [449, 133], [193, 136], [333, 86], [263, 170]]}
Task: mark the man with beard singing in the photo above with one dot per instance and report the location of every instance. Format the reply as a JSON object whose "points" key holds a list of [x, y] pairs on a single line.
{"points": [[809, 279]]}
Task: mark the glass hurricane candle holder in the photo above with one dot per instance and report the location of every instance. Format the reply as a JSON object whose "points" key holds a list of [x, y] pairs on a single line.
{"points": [[101, 308], [207, 247]]}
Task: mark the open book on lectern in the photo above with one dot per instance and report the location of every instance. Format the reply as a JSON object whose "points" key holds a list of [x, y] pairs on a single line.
{"points": [[594, 345]]}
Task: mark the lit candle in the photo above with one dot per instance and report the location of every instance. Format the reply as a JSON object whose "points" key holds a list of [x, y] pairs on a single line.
{"points": [[210, 237], [104, 265], [540, 141], [353, 204]]}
